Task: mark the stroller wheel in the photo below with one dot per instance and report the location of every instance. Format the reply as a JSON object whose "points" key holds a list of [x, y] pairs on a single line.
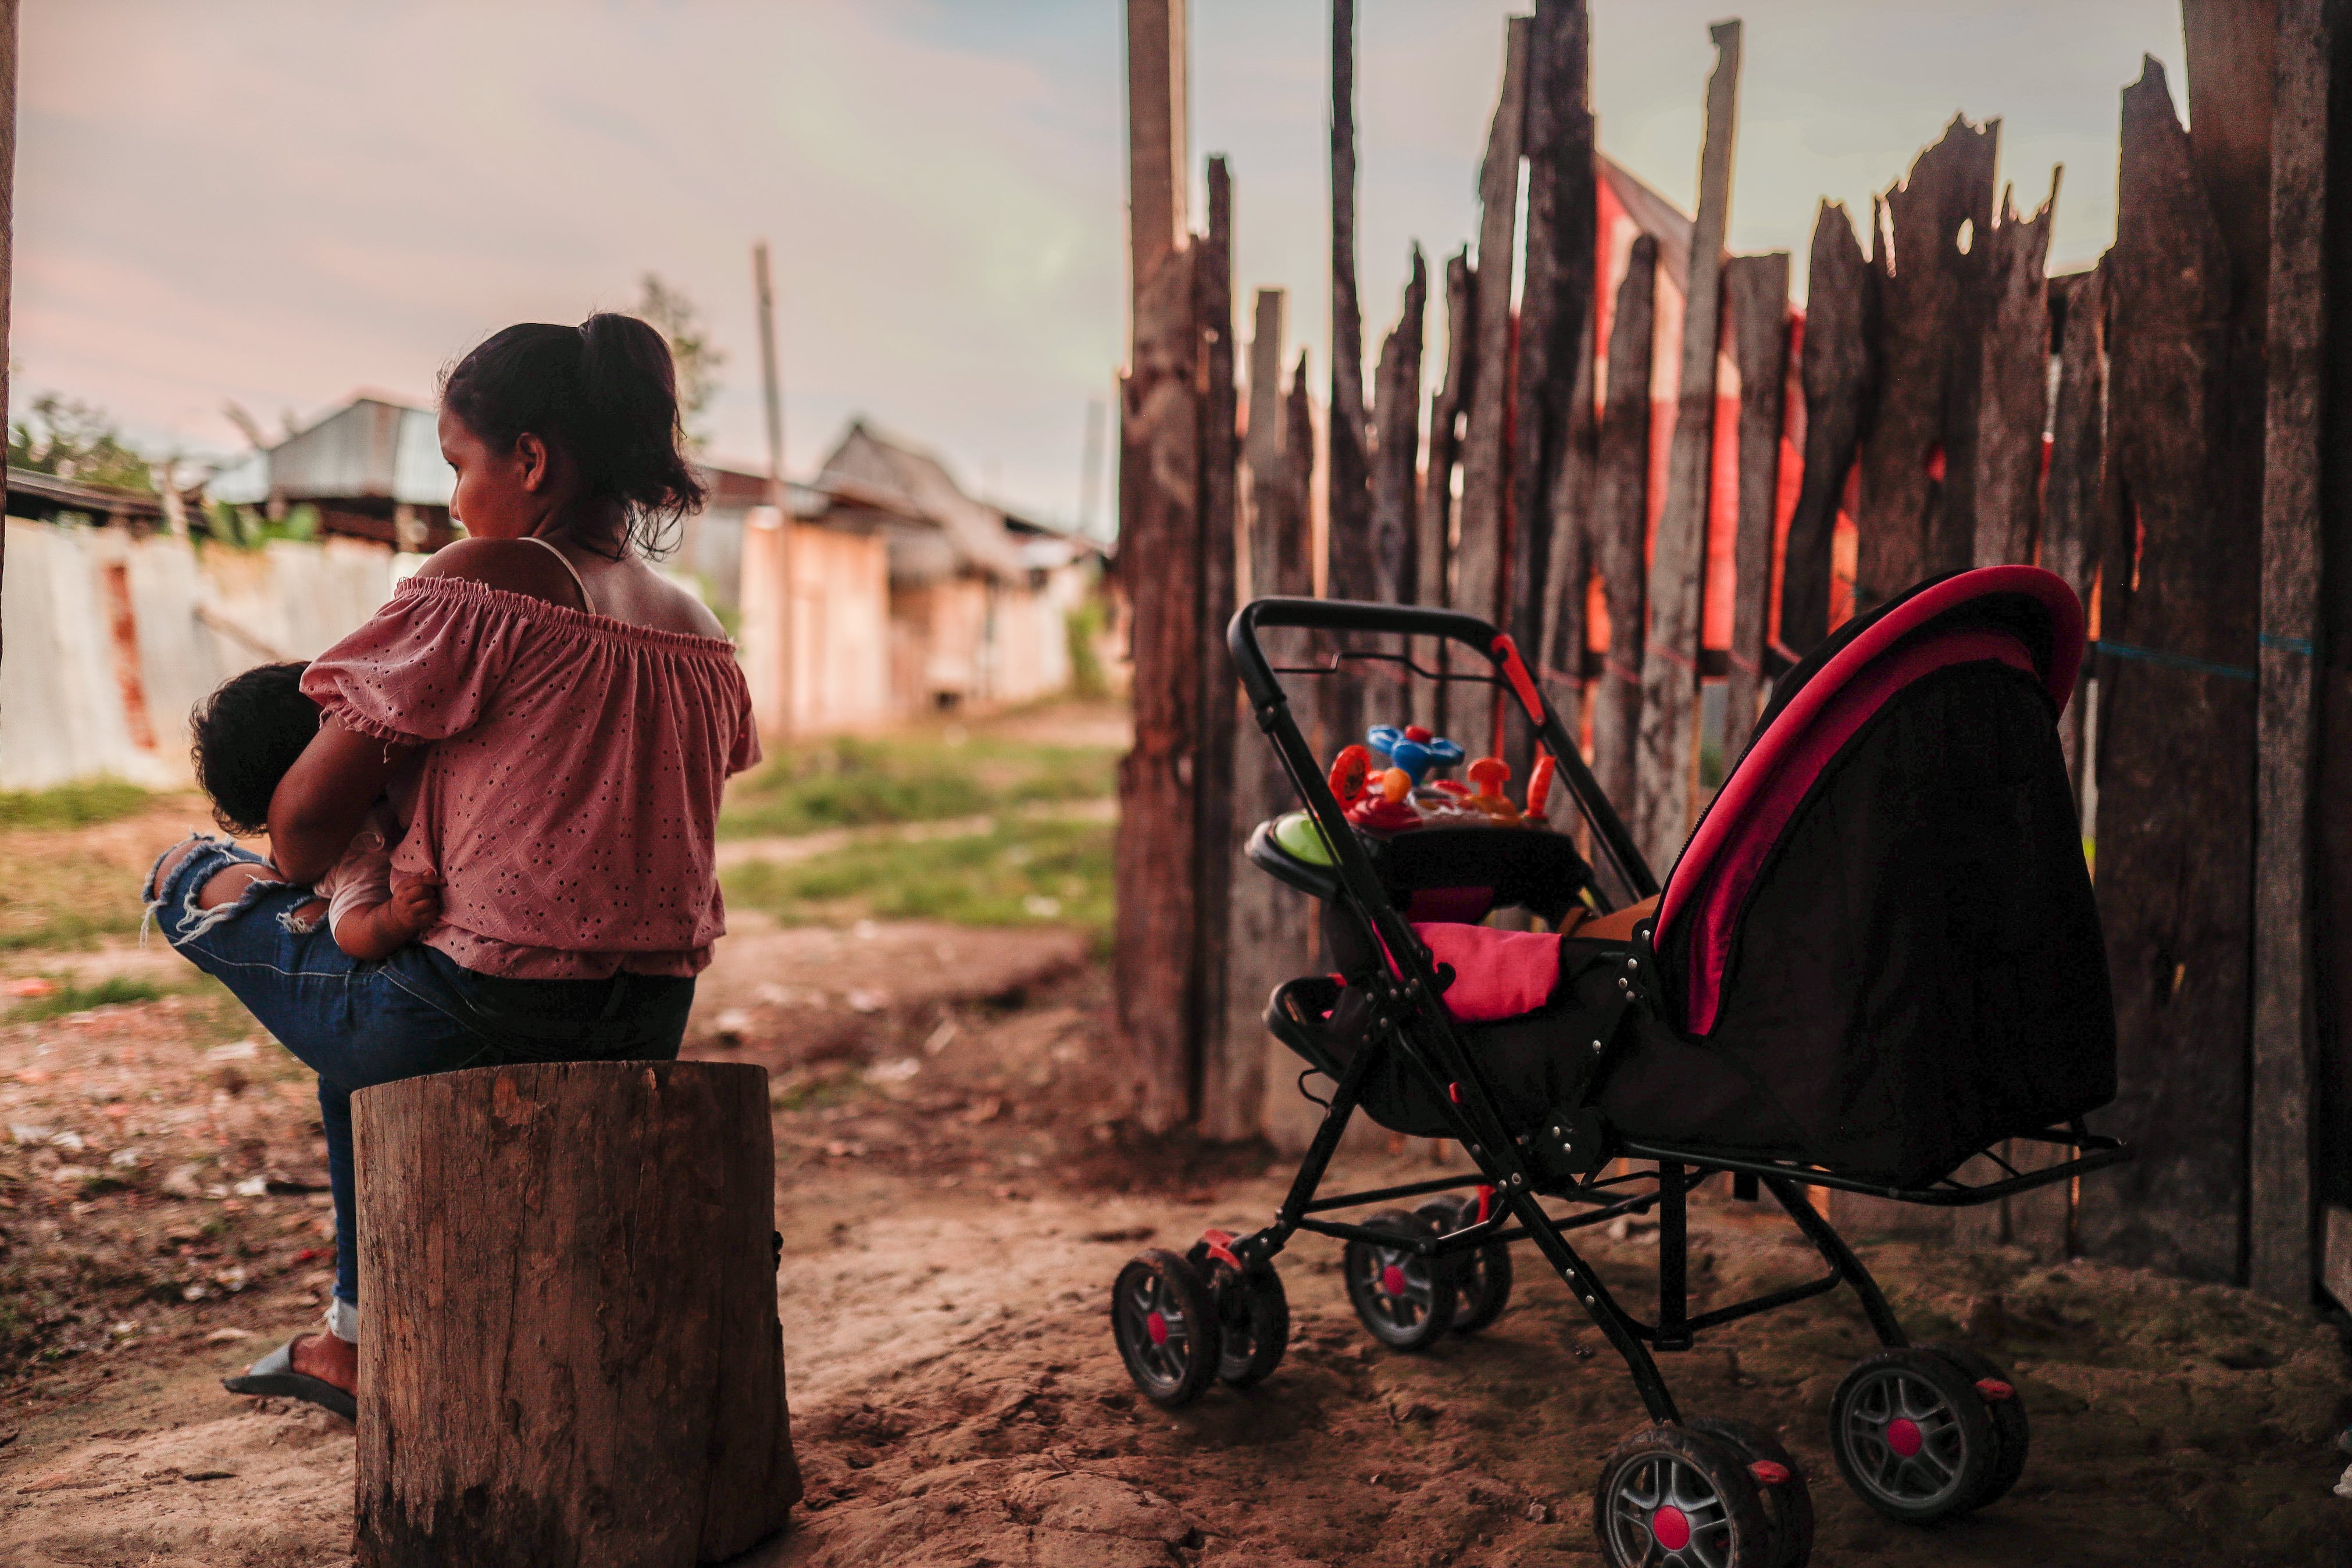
{"points": [[1253, 1324], [2010, 1432], [1780, 1486], [1912, 1436], [1680, 1497], [1405, 1299], [1166, 1326], [1482, 1279]]}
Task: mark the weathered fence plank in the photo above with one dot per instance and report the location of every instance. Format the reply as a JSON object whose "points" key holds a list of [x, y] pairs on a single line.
{"points": [[1756, 292], [1555, 297], [2013, 383], [2074, 492], [1231, 1067], [1569, 573], [1841, 304], [2179, 614], [1431, 571], [1396, 447], [2280, 1208], [1486, 443], [1279, 559], [1668, 775], [1620, 520]]}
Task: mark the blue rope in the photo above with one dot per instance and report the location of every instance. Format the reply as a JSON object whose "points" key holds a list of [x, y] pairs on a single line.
{"points": [[2303, 645], [2174, 661]]}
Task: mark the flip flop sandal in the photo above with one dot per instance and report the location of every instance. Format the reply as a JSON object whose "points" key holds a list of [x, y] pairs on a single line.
{"points": [[274, 1374]]}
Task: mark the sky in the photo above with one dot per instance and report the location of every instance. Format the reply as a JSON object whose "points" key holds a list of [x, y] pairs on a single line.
{"points": [[280, 203]]}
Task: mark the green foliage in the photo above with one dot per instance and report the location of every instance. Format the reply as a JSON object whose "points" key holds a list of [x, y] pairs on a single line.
{"points": [[72, 999], [1084, 626], [246, 527], [75, 440], [1022, 871], [78, 805], [675, 317], [853, 781]]}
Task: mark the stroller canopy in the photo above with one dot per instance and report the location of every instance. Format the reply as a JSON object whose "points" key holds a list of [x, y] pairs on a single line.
{"points": [[2020, 616]]}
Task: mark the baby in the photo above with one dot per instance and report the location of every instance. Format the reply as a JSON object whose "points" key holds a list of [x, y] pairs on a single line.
{"points": [[247, 735]]}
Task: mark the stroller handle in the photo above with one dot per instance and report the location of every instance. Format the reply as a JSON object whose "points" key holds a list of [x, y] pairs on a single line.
{"points": [[1269, 701]]}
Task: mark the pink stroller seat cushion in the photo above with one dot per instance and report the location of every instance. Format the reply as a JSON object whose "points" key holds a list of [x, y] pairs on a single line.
{"points": [[1496, 974]]}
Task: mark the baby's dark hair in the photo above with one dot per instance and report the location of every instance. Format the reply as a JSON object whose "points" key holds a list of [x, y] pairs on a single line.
{"points": [[248, 733], [606, 392]]}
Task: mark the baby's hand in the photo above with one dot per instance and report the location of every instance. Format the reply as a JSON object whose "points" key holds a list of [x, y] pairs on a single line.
{"points": [[416, 905]]}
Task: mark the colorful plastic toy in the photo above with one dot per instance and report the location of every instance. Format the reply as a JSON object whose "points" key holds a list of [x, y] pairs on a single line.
{"points": [[1489, 774], [1352, 774], [1540, 789], [1431, 750], [1389, 809], [1296, 834]]}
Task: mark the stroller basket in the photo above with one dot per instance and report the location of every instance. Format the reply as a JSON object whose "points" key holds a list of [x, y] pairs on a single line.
{"points": [[1902, 810]]}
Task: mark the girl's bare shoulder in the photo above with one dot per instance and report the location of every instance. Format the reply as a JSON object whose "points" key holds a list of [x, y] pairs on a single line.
{"points": [[517, 566]]}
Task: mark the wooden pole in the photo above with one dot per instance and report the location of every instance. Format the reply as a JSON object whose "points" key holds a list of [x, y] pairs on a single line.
{"points": [[571, 1355], [2073, 493], [1555, 299], [1431, 571], [2180, 603], [2013, 383], [787, 691], [1351, 570], [1919, 461], [1621, 523], [1756, 287], [1568, 576], [2280, 1148], [1667, 786], [1231, 1066], [1840, 302], [7, 196], [1262, 453], [1155, 929], [1486, 444]]}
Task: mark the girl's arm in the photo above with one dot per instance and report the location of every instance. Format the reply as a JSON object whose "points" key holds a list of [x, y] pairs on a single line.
{"points": [[323, 801]]}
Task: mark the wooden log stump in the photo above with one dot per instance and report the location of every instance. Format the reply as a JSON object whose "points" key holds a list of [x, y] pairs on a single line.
{"points": [[571, 1355]]}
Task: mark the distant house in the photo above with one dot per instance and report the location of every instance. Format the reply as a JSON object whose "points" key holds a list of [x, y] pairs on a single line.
{"points": [[373, 468], [979, 598]]}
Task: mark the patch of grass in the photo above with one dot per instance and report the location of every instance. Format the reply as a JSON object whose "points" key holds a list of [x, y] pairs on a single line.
{"points": [[853, 781], [50, 900], [1022, 871], [79, 805], [72, 999]]}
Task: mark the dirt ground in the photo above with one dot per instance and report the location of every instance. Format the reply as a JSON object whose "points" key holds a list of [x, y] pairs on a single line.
{"points": [[957, 1189]]}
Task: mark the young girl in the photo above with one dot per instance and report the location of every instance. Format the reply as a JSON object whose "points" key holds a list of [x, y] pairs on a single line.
{"points": [[248, 733], [573, 718]]}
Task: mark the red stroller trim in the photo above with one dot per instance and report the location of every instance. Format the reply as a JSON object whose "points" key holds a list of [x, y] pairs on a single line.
{"points": [[1712, 878]]}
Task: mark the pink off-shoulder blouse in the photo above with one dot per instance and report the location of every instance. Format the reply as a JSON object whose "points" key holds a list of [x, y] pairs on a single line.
{"points": [[571, 794]]}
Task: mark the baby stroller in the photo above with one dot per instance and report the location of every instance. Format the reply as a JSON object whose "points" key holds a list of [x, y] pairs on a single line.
{"points": [[1877, 957]]}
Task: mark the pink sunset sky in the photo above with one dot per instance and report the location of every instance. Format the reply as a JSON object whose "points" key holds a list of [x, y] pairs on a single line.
{"points": [[281, 203]]}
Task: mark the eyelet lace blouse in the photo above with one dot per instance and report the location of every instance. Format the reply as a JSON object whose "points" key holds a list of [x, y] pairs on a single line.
{"points": [[571, 794]]}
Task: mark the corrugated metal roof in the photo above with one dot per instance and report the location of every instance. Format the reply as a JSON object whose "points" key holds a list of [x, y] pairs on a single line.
{"points": [[894, 476], [369, 447]]}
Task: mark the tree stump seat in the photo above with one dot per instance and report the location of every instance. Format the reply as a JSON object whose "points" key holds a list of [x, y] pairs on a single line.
{"points": [[571, 1354]]}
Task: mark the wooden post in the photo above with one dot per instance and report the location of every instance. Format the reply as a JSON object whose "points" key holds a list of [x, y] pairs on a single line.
{"points": [[1396, 447], [1555, 299], [1756, 287], [2332, 656], [1262, 451], [2179, 607], [1668, 748], [7, 196], [2013, 384], [1478, 551], [1432, 573], [1350, 572], [1841, 304], [2073, 493], [1567, 575], [785, 670], [1156, 922], [571, 1353], [1919, 461], [1231, 1066], [2280, 1146], [1621, 522], [1279, 559]]}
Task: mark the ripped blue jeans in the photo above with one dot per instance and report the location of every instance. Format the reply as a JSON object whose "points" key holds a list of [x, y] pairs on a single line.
{"points": [[357, 1024]]}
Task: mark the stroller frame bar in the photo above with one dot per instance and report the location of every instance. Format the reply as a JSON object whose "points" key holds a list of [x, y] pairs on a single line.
{"points": [[1411, 1024]]}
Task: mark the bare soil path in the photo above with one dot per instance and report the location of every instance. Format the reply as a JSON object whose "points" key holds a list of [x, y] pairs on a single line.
{"points": [[957, 1187]]}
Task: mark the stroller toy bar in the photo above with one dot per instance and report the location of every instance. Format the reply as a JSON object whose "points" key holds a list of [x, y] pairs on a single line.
{"points": [[1587, 1079]]}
